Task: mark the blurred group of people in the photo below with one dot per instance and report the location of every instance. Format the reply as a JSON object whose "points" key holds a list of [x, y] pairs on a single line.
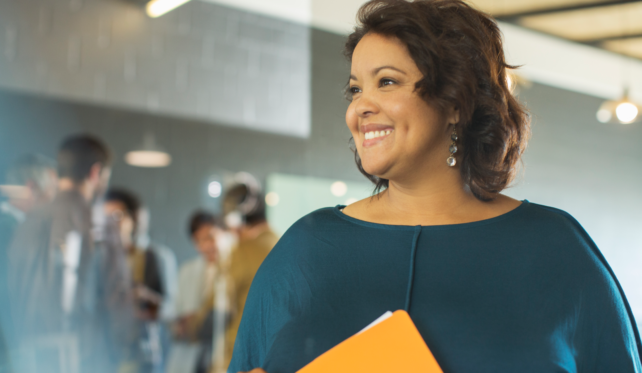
{"points": [[88, 290]]}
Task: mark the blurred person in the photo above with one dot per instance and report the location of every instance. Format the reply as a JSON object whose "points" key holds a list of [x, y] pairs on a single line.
{"points": [[112, 301], [169, 276], [30, 182], [167, 264], [146, 273], [53, 283], [244, 208], [491, 283], [198, 278]]}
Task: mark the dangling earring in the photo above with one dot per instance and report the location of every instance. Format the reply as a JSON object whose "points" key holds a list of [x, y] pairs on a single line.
{"points": [[453, 149]]}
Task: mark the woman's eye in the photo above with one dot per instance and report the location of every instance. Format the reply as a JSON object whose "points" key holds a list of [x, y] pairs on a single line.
{"points": [[385, 82], [350, 92]]}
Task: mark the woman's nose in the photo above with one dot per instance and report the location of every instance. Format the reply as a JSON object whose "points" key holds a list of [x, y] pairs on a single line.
{"points": [[366, 105]]}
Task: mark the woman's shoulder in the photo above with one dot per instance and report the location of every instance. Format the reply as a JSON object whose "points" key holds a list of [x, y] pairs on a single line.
{"points": [[310, 240], [558, 233], [551, 219], [319, 227], [555, 229], [317, 223]]}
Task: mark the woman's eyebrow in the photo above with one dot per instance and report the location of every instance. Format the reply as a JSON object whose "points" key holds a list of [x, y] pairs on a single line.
{"points": [[376, 71]]}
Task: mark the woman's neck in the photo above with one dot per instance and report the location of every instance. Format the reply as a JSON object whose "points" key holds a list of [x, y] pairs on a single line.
{"points": [[444, 200], [421, 201]]}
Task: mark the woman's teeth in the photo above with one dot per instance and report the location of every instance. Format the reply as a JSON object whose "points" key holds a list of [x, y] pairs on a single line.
{"points": [[374, 134]]}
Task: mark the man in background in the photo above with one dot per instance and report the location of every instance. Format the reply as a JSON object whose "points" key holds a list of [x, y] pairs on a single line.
{"points": [[30, 182], [53, 262], [244, 207]]}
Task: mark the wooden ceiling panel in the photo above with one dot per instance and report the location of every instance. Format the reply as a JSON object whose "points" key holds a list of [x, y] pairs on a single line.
{"points": [[631, 47], [500, 8], [590, 24]]}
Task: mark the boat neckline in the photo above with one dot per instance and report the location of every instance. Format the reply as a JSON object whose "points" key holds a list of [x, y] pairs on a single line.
{"points": [[338, 211]]}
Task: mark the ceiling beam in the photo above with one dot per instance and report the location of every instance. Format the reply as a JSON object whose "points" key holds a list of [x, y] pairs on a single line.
{"points": [[516, 16], [597, 42]]}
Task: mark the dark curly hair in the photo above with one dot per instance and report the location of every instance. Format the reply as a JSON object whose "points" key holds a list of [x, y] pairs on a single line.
{"points": [[459, 51]]}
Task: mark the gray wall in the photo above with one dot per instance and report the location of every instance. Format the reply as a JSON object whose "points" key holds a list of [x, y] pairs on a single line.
{"points": [[199, 149], [201, 60]]}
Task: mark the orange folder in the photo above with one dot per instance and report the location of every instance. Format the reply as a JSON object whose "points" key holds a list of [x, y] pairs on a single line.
{"points": [[393, 345]]}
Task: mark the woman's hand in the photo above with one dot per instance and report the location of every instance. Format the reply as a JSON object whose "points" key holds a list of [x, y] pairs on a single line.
{"points": [[256, 370]]}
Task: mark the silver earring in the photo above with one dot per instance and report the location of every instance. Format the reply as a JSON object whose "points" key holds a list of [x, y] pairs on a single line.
{"points": [[453, 149]]}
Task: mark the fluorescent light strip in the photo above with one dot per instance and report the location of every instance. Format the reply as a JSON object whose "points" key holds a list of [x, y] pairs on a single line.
{"points": [[157, 8]]}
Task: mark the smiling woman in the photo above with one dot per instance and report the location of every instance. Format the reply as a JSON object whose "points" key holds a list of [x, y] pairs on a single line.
{"points": [[493, 284], [456, 63]]}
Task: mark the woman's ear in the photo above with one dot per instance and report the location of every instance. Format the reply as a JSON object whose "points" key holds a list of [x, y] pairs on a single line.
{"points": [[453, 115]]}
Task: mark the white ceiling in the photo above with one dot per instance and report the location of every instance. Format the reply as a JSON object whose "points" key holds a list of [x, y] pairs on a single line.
{"points": [[295, 10], [590, 24], [502, 7], [332, 15], [546, 59]]}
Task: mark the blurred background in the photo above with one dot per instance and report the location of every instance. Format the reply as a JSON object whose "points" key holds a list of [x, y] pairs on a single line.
{"points": [[188, 94]]}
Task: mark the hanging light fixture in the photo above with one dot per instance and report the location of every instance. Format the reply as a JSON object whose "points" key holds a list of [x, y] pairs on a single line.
{"points": [[149, 154], [157, 8], [622, 111]]}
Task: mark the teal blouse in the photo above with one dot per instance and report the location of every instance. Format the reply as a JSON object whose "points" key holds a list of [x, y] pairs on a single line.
{"points": [[527, 291]]}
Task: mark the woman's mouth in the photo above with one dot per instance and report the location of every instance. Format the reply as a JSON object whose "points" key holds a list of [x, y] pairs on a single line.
{"points": [[375, 134], [375, 137]]}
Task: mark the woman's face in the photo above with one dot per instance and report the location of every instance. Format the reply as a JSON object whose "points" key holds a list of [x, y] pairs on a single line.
{"points": [[397, 134]]}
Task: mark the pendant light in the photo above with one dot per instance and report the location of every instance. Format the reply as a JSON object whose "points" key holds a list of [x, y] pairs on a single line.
{"points": [[149, 154], [622, 111]]}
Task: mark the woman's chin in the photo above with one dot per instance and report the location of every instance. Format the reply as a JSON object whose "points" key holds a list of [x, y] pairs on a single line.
{"points": [[378, 170]]}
